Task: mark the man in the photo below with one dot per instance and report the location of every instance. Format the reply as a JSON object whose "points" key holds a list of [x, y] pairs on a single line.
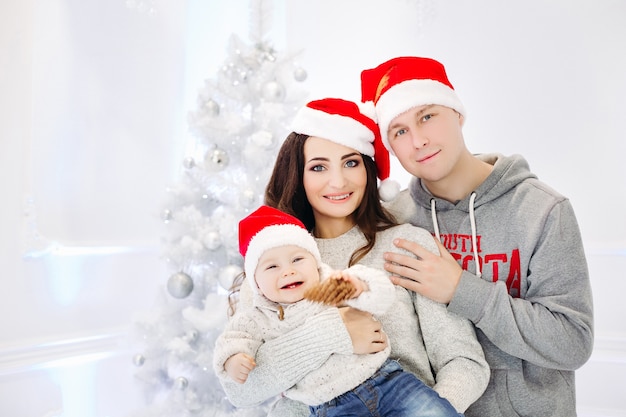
{"points": [[512, 257]]}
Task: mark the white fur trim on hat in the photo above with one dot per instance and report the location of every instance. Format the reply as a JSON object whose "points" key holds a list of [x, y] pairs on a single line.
{"points": [[409, 94], [340, 129], [272, 237]]}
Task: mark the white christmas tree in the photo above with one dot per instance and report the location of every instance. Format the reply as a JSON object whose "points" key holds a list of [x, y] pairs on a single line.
{"points": [[241, 119]]}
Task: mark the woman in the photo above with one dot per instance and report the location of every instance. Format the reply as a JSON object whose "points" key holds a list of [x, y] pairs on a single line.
{"points": [[325, 176]]}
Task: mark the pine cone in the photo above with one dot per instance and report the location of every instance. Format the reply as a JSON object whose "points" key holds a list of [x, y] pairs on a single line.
{"points": [[331, 292]]}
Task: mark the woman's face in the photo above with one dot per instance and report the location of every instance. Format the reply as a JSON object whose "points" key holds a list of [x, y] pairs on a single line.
{"points": [[334, 179]]}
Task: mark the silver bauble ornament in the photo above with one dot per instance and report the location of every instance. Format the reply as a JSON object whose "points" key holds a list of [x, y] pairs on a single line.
{"points": [[265, 52], [180, 285], [228, 274], [299, 74], [212, 240], [192, 335], [243, 75], [139, 359], [273, 91], [181, 383], [166, 215], [189, 162], [216, 160], [211, 108], [247, 198]]}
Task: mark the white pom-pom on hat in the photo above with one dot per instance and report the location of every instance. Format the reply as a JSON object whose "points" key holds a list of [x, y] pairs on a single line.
{"points": [[388, 189]]}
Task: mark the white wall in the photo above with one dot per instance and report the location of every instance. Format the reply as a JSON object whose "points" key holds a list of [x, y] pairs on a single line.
{"points": [[92, 112], [90, 121]]}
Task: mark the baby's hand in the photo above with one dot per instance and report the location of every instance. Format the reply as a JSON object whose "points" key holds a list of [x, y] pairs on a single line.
{"points": [[359, 285], [332, 291], [239, 366]]}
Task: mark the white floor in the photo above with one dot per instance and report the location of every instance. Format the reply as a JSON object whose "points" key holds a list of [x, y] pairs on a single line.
{"points": [[97, 383]]}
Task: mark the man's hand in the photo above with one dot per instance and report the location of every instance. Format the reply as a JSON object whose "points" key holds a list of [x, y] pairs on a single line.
{"points": [[365, 331], [239, 366], [434, 276]]}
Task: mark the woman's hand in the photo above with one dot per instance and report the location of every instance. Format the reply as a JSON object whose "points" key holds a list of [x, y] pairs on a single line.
{"points": [[365, 331]]}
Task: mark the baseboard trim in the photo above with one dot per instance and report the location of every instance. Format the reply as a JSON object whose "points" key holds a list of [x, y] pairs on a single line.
{"points": [[609, 348], [32, 355]]}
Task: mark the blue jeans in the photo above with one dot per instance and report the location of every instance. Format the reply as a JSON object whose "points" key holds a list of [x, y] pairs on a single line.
{"points": [[389, 392]]}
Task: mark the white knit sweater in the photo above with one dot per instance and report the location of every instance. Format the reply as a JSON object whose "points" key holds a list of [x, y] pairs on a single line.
{"points": [[250, 327]]}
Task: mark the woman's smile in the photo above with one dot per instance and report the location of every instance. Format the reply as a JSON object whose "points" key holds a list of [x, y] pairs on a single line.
{"points": [[337, 197]]}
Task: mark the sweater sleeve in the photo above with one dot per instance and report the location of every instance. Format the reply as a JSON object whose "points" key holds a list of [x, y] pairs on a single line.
{"points": [[457, 358], [285, 360], [381, 293], [553, 325], [237, 337]]}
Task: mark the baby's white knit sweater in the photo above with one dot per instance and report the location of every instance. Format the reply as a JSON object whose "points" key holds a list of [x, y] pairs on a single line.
{"points": [[250, 327]]}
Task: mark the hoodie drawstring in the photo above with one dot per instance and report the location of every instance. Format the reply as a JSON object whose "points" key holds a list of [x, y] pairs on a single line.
{"points": [[433, 213], [479, 273]]}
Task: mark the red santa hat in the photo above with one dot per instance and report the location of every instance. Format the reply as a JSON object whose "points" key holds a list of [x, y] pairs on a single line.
{"points": [[402, 83], [268, 228], [344, 122]]}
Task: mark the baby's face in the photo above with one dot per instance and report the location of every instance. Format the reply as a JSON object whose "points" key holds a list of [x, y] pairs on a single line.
{"points": [[284, 273]]}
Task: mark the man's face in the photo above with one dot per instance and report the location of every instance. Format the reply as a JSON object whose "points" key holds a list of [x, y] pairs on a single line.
{"points": [[427, 140]]}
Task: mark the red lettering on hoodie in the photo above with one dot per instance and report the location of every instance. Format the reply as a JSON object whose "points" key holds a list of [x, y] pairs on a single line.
{"points": [[513, 281], [459, 243], [493, 265]]}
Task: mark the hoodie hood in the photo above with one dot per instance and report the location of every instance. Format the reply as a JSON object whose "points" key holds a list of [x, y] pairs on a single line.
{"points": [[508, 172]]}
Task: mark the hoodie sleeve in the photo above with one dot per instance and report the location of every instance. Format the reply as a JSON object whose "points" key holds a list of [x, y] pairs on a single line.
{"points": [[285, 360], [552, 326]]}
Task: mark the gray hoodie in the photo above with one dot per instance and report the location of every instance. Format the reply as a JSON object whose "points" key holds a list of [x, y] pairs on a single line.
{"points": [[529, 294]]}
